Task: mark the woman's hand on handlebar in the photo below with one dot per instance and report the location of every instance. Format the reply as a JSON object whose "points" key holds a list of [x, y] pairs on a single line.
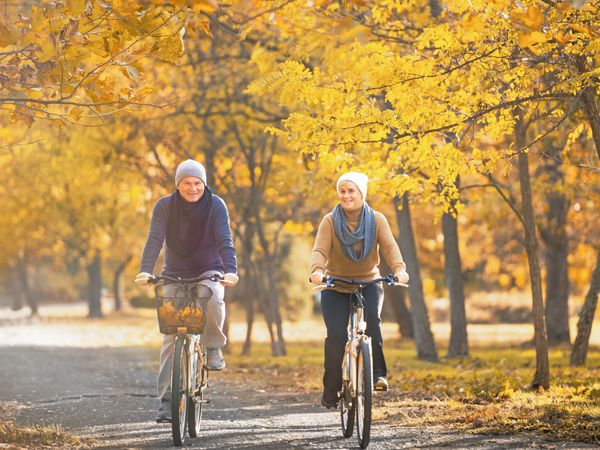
{"points": [[402, 277], [230, 279], [316, 278]]}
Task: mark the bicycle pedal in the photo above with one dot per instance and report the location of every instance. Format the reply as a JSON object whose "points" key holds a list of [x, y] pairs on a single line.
{"points": [[381, 388], [164, 420]]}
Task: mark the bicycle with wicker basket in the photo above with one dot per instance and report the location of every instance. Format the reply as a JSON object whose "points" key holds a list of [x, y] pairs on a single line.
{"points": [[181, 312]]}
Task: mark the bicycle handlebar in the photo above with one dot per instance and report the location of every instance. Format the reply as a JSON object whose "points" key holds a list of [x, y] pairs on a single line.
{"points": [[389, 279], [155, 279]]}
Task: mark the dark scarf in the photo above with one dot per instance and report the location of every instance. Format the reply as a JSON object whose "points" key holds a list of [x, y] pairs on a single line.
{"points": [[187, 223], [365, 231]]}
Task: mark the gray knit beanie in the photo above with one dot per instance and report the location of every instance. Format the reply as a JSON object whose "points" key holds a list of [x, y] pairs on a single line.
{"points": [[190, 168]]}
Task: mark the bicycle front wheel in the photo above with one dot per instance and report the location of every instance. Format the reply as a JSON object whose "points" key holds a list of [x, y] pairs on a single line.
{"points": [[199, 381], [364, 393], [347, 413], [179, 391]]}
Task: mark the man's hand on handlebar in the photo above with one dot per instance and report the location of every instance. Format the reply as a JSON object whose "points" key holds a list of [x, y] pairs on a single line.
{"points": [[143, 278], [230, 279]]}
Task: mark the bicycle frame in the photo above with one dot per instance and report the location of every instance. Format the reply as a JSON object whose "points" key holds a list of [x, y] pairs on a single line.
{"points": [[187, 390], [355, 397], [357, 327]]}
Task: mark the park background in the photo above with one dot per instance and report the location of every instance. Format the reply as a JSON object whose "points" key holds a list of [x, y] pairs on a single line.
{"points": [[477, 122]]}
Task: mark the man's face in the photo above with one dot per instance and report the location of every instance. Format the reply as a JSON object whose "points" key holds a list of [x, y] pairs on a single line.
{"points": [[191, 189]]}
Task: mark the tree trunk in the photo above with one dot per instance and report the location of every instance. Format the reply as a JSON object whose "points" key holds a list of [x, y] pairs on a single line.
{"points": [[586, 318], [117, 283], [396, 297], [249, 325], [23, 277], [272, 309], [279, 349], [458, 345], [424, 341], [267, 312], [251, 289], [556, 250], [94, 270], [590, 104], [250, 283], [264, 298], [542, 373], [15, 292]]}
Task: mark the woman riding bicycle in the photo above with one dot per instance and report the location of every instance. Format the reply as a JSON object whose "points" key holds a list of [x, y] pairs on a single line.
{"points": [[194, 225], [347, 245]]}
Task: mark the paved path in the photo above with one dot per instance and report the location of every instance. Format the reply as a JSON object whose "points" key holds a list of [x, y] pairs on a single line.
{"points": [[107, 394]]}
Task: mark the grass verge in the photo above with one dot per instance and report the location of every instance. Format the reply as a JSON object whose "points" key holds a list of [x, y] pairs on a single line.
{"points": [[37, 436], [484, 393]]}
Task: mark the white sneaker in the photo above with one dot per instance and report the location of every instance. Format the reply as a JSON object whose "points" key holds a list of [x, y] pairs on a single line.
{"points": [[214, 359]]}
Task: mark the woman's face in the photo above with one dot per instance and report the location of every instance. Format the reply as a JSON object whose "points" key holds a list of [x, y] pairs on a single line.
{"points": [[191, 189], [350, 197]]}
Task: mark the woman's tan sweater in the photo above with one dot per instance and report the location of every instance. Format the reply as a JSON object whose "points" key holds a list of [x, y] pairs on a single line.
{"points": [[328, 256]]}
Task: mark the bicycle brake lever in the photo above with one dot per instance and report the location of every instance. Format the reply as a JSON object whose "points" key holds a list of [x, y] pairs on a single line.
{"points": [[391, 279]]}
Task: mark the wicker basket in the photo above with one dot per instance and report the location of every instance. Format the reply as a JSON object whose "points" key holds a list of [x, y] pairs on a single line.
{"points": [[180, 314]]}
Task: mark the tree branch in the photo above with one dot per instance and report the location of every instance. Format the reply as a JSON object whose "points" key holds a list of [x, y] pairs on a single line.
{"points": [[510, 201]]}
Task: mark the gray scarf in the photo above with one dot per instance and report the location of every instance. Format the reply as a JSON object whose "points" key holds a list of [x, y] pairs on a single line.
{"points": [[365, 231]]}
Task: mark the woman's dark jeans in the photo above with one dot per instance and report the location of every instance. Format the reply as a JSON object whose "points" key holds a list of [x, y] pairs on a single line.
{"points": [[335, 307]]}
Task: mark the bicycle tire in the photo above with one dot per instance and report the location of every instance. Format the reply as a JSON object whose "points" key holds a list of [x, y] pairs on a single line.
{"points": [[179, 391], [347, 414], [347, 404], [364, 393], [199, 377]]}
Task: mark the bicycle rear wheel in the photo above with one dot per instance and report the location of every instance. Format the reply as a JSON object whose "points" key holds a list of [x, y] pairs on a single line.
{"points": [[364, 393], [179, 391], [199, 380]]}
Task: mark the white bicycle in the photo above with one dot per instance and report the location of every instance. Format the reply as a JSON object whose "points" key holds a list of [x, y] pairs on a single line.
{"points": [[356, 396]]}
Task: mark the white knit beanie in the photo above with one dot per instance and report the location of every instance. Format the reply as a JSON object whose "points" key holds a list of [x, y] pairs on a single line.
{"points": [[359, 179], [190, 168]]}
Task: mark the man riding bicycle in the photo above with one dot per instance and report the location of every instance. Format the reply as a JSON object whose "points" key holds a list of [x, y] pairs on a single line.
{"points": [[347, 245], [193, 223]]}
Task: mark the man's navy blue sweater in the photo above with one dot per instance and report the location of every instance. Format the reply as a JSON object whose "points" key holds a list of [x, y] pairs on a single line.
{"points": [[216, 251]]}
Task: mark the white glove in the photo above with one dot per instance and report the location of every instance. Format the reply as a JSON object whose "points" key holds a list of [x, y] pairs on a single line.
{"points": [[402, 276], [142, 278]]}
